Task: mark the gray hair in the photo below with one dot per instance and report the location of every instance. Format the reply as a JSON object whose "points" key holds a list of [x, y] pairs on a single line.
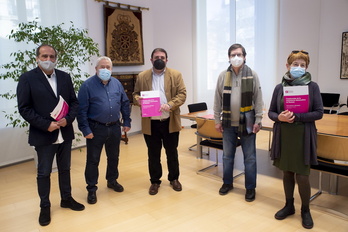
{"points": [[102, 58]]}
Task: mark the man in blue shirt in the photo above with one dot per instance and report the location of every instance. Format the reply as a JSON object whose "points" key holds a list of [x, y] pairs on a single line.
{"points": [[102, 101]]}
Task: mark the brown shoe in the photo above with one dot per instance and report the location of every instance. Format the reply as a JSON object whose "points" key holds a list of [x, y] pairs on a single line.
{"points": [[154, 189], [176, 185]]}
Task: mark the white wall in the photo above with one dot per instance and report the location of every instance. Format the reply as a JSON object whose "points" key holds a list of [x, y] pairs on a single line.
{"points": [[315, 26]]}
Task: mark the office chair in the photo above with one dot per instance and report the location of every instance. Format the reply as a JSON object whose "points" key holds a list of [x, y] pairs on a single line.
{"points": [[330, 102], [195, 107], [332, 159], [211, 138], [340, 107]]}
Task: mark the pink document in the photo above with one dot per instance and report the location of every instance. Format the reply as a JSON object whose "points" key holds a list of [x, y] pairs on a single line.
{"points": [[61, 109], [296, 99], [150, 103]]}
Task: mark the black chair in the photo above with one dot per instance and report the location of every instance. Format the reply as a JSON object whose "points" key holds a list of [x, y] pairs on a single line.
{"points": [[330, 102], [340, 107], [195, 107]]}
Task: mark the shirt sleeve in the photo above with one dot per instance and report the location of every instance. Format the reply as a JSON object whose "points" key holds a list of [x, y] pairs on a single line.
{"points": [[82, 117], [257, 98]]}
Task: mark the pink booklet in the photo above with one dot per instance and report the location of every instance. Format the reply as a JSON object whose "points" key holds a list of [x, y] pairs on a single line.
{"points": [[61, 109], [150, 103], [296, 99]]}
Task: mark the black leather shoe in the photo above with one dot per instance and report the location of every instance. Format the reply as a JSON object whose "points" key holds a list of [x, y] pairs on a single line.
{"points": [[176, 185], [92, 197], [115, 186], [225, 189], [250, 195], [154, 189], [71, 204], [45, 216]]}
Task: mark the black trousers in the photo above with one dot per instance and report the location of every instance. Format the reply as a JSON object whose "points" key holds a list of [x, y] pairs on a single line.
{"points": [[45, 155], [160, 135], [109, 137]]}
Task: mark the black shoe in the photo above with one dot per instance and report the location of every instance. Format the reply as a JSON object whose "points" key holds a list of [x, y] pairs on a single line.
{"points": [[250, 195], [115, 186], [92, 197], [71, 204], [287, 210], [45, 216], [225, 189], [307, 221]]}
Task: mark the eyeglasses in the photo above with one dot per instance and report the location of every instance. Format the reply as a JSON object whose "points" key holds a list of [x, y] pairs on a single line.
{"points": [[297, 51], [236, 54]]}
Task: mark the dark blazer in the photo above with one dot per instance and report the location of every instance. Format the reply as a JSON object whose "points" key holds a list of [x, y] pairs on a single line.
{"points": [[36, 100]]}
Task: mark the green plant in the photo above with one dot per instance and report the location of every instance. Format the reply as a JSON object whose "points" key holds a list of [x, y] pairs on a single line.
{"points": [[74, 48]]}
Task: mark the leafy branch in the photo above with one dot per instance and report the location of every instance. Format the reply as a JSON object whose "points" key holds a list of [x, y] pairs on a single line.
{"points": [[74, 48]]}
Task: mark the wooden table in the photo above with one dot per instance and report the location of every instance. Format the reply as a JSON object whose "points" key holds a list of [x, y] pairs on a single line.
{"points": [[330, 124], [193, 115]]}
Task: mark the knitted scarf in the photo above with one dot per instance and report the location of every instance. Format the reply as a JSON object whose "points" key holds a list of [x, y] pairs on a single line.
{"points": [[246, 98], [304, 80]]}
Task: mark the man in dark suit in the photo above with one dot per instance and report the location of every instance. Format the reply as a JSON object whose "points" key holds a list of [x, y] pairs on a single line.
{"points": [[38, 93]]}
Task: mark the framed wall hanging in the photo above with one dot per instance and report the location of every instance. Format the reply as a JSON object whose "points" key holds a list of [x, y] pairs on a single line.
{"points": [[123, 36], [344, 56]]}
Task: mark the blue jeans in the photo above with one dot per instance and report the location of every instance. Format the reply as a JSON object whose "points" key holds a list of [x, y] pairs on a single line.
{"points": [[110, 136], [230, 137]]}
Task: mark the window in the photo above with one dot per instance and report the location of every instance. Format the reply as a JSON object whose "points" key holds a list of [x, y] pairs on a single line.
{"points": [[12, 12], [221, 23]]}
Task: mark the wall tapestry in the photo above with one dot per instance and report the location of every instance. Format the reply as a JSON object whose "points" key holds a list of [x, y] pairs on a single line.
{"points": [[123, 36]]}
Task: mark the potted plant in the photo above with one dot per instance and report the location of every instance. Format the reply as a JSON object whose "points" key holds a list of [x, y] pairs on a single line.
{"points": [[74, 48]]}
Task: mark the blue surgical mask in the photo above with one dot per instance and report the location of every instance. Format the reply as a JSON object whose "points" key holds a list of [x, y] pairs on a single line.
{"points": [[297, 72], [104, 74]]}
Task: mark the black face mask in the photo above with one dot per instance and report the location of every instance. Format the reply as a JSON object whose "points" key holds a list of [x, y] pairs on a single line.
{"points": [[159, 64]]}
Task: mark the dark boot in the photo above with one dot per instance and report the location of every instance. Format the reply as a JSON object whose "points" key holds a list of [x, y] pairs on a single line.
{"points": [[307, 221], [289, 209]]}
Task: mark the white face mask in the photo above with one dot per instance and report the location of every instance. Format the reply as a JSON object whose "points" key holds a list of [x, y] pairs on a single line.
{"points": [[236, 61], [47, 65]]}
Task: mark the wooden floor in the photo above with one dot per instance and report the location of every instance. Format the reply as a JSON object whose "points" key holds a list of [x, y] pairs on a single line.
{"points": [[198, 207]]}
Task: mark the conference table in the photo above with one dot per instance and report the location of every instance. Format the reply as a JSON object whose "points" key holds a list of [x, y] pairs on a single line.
{"points": [[330, 124]]}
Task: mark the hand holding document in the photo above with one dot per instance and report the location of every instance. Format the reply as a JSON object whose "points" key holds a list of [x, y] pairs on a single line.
{"points": [[296, 99], [61, 109], [150, 103]]}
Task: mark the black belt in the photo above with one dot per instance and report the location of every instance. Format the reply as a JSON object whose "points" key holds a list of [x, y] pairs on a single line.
{"points": [[105, 124], [160, 120]]}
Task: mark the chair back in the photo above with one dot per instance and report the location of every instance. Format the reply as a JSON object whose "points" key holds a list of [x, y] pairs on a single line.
{"points": [[197, 107], [206, 129], [332, 147], [330, 99]]}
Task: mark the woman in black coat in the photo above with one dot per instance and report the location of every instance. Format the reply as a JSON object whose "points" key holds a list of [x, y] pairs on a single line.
{"points": [[294, 133]]}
